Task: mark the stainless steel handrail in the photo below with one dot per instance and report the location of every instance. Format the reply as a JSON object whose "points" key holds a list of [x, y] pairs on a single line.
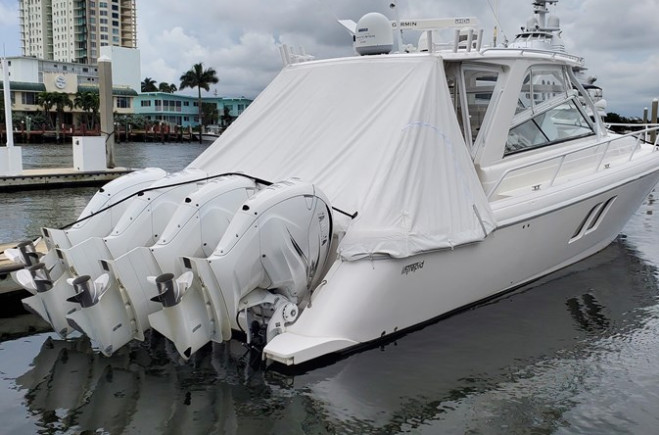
{"points": [[563, 157]]}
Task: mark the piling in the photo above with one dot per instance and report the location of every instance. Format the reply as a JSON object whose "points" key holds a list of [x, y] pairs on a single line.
{"points": [[655, 105], [107, 116]]}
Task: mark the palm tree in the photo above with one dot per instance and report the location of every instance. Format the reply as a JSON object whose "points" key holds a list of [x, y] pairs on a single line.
{"points": [[167, 87], [199, 78], [149, 85], [60, 101], [89, 102], [45, 100]]}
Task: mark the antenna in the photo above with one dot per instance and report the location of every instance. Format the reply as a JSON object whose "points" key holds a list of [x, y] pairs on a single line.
{"points": [[399, 31]]}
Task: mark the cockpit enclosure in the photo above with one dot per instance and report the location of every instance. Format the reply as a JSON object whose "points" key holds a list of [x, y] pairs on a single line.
{"points": [[548, 111], [549, 106], [473, 87]]}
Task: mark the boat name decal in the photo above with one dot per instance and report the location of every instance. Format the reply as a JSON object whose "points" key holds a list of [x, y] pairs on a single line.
{"points": [[412, 267]]}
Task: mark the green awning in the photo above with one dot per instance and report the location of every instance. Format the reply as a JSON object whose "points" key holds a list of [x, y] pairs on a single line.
{"points": [[122, 92], [25, 86]]}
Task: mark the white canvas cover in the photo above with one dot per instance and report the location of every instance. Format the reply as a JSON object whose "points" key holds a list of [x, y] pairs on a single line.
{"points": [[379, 136]]}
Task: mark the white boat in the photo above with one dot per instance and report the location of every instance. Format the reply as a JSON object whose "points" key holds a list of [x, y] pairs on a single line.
{"points": [[354, 199], [543, 32], [210, 134]]}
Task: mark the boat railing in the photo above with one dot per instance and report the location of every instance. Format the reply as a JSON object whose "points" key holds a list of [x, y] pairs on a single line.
{"points": [[522, 51], [640, 137]]}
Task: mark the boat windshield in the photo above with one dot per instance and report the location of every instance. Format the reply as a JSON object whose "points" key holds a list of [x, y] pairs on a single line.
{"points": [[548, 112]]}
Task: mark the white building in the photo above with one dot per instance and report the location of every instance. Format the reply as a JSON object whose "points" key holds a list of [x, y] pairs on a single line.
{"points": [[75, 30]]}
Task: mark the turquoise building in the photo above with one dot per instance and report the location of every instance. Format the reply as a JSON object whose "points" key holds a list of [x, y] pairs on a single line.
{"points": [[175, 109]]}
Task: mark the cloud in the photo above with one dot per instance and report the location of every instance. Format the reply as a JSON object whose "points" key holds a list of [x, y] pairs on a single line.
{"points": [[240, 39], [8, 13]]}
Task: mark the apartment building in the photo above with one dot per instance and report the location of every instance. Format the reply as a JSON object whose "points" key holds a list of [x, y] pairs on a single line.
{"points": [[75, 30]]}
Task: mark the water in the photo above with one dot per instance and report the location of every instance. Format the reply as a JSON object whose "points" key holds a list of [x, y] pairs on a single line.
{"points": [[24, 215], [575, 353]]}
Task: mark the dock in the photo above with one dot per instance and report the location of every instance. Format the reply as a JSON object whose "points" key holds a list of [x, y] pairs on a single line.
{"points": [[48, 178]]}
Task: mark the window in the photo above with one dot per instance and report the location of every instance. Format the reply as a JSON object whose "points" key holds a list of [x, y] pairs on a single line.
{"points": [[186, 104], [123, 102], [472, 90], [29, 98], [558, 124], [145, 103], [542, 83]]}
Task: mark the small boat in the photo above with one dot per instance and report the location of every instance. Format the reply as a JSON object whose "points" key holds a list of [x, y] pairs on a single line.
{"points": [[210, 134], [354, 199]]}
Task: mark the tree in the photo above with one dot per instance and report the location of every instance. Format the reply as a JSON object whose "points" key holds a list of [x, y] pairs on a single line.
{"points": [[210, 113], [61, 101], [45, 100], [167, 87], [89, 102], [149, 85], [226, 117], [199, 78]]}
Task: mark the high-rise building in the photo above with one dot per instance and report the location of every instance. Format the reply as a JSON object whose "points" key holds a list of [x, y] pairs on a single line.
{"points": [[74, 30]]}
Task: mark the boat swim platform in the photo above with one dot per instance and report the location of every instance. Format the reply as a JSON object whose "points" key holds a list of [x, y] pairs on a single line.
{"points": [[50, 178]]}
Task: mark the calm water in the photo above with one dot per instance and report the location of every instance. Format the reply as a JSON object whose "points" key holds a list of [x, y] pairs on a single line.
{"points": [[576, 353]]}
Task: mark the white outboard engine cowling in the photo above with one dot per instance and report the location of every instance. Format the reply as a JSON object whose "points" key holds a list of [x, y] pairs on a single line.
{"points": [[270, 257]]}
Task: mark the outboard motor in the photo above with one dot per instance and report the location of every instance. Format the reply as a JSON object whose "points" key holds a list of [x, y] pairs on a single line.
{"points": [[264, 267], [114, 309], [108, 331], [144, 218], [37, 280], [112, 196]]}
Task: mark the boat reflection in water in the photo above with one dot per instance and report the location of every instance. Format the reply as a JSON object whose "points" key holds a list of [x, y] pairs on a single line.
{"points": [[520, 361]]}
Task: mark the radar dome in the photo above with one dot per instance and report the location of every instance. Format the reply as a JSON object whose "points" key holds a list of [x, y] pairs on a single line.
{"points": [[374, 35]]}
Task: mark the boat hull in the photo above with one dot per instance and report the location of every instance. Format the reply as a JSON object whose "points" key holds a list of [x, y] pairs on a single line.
{"points": [[362, 301]]}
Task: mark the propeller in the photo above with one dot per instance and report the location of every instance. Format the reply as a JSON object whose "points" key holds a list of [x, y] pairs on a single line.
{"points": [[171, 291], [35, 278], [87, 293], [24, 253]]}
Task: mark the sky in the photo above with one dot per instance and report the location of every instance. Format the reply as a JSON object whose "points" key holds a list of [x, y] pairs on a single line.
{"points": [[240, 38]]}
